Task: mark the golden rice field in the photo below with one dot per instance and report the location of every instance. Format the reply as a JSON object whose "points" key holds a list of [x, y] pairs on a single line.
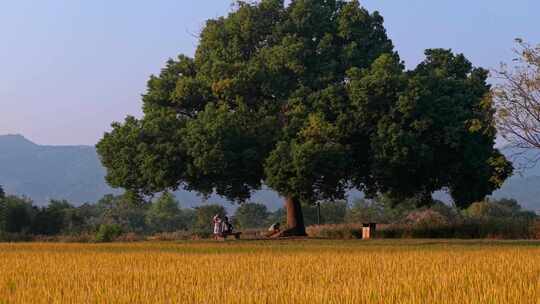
{"points": [[272, 272]]}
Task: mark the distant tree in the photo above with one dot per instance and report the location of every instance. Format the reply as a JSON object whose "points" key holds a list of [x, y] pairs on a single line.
{"points": [[205, 214], [511, 204], [500, 208], [18, 215], [52, 219], [485, 209], [517, 99], [85, 218], [164, 215], [513, 208], [366, 211], [331, 213], [251, 215], [382, 209], [3, 209], [310, 99], [125, 210], [278, 216], [188, 218]]}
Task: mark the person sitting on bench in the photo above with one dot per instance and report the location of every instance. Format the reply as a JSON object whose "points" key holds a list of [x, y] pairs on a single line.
{"points": [[227, 227]]}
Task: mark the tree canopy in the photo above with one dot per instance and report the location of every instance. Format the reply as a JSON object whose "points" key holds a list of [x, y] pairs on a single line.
{"points": [[312, 100]]}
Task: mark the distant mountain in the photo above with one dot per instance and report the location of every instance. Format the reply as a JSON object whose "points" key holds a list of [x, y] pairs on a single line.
{"points": [[44, 172], [75, 173], [526, 190]]}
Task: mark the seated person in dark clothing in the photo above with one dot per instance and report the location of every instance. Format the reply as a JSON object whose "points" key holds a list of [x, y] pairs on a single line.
{"points": [[227, 227]]}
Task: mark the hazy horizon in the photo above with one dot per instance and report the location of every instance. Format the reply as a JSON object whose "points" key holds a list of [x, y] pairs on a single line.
{"points": [[70, 68]]}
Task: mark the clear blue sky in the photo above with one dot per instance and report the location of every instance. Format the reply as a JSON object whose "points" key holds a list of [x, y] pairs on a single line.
{"points": [[68, 68]]}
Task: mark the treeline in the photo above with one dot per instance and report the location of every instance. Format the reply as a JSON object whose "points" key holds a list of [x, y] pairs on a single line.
{"points": [[500, 219], [125, 217], [114, 216]]}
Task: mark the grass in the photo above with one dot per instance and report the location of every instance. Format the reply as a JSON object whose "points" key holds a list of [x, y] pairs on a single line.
{"points": [[299, 271]]}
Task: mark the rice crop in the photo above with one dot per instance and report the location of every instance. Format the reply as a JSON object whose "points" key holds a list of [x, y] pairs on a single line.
{"points": [[296, 271]]}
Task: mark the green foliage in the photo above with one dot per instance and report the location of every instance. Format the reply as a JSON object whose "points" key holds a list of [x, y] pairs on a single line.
{"points": [[278, 216], [497, 208], [18, 214], [383, 209], [82, 219], [264, 100], [310, 99], [112, 216], [108, 232], [204, 215], [435, 129], [251, 215], [227, 149], [487, 219], [125, 210], [52, 219], [331, 213], [486, 209], [164, 215], [188, 217]]}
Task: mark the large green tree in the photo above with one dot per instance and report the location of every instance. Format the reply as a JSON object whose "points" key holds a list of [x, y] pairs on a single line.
{"points": [[310, 99]]}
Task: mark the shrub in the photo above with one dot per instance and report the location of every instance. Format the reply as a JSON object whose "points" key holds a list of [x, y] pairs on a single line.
{"points": [[108, 232], [342, 231], [429, 224], [467, 228], [427, 218]]}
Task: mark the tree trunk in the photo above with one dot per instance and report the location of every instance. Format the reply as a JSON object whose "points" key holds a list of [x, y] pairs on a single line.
{"points": [[295, 218]]}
